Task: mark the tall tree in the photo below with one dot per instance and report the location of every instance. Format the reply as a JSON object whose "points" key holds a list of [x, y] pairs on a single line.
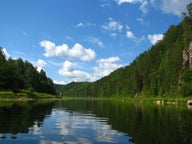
{"points": [[2, 56], [189, 7], [154, 72]]}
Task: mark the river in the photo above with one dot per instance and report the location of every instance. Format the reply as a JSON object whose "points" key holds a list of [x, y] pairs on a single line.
{"points": [[94, 121]]}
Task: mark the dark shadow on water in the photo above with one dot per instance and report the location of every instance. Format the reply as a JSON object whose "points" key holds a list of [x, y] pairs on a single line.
{"points": [[17, 117]]}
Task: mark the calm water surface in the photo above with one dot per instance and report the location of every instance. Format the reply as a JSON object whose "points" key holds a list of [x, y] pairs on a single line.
{"points": [[94, 121]]}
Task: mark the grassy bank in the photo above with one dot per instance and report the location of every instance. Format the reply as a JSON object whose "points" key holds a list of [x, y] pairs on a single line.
{"points": [[159, 100], [156, 100], [28, 95], [24, 95]]}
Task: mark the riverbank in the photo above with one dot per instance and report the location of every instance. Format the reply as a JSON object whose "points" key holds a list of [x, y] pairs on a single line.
{"points": [[154, 100], [24, 95], [159, 100]]}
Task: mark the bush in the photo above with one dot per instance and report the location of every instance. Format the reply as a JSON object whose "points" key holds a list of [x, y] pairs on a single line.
{"points": [[7, 94], [186, 89]]}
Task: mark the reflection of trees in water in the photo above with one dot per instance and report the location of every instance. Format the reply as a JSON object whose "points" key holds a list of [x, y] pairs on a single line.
{"points": [[18, 117], [145, 123]]}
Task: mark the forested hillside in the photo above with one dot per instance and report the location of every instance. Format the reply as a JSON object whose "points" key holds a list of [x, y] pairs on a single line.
{"points": [[156, 72], [17, 74]]}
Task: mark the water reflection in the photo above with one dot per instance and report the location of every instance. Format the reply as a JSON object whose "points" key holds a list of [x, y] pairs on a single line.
{"points": [[86, 128], [144, 123], [94, 121], [17, 117]]}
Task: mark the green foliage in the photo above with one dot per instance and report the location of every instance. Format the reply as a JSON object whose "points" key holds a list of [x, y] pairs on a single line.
{"points": [[155, 72], [7, 94], [189, 7], [17, 74], [187, 76], [79, 89], [186, 86], [186, 89]]}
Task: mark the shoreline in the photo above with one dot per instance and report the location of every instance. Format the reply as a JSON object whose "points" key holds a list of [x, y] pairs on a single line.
{"points": [[155, 100]]}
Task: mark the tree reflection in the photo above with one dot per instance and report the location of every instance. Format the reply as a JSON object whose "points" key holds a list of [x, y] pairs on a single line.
{"points": [[17, 117], [145, 123]]}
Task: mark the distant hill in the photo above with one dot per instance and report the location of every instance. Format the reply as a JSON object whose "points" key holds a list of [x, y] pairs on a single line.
{"points": [[158, 71]]}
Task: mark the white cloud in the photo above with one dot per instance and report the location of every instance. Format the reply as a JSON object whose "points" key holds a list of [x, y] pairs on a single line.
{"points": [[83, 25], [143, 7], [127, 27], [109, 60], [96, 41], [175, 7], [40, 64], [105, 3], [58, 82], [113, 25], [155, 38], [77, 52], [141, 21], [80, 25], [113, 35], [6, 53], [106, 66], [130, 35], [128, 1], [69, 72]]}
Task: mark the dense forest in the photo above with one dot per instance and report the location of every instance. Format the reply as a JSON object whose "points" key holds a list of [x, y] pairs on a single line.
{"points": [[16, 75], [156, 72]]}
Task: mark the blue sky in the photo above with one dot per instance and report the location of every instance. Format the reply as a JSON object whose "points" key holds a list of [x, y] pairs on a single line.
{"points": [[84, 40]]}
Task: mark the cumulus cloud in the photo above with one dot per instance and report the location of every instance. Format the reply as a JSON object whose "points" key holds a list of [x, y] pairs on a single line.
{"points": [[113, 25], [175, 7], [155, 38], [130, 35], [40, 64], [68, 71], [77, 52], [106, 66], [143, 4]]}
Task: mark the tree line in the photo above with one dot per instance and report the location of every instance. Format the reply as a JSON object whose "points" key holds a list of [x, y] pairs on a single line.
{"points": [[156, 72], [18, 74]]}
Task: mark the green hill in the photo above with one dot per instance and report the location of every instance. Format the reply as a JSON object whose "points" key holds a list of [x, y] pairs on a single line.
{"points": [[17, 75], [156, 72]]}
